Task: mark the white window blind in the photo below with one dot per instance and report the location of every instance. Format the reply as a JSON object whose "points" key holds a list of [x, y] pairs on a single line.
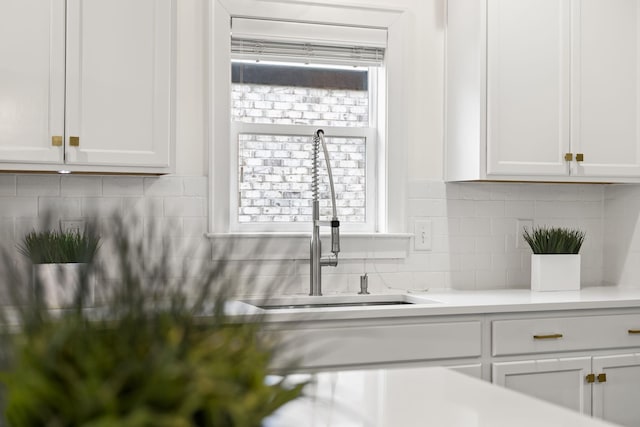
{"points": [[308, 43]]}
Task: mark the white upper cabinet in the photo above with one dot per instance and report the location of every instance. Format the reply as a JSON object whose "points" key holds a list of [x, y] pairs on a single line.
{"points": [[528, 46], [542, 90], [32, 77], [106, 94], [606, 87]]}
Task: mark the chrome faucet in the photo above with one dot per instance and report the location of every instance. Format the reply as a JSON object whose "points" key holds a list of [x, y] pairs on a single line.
{"points": [[315, 259]]}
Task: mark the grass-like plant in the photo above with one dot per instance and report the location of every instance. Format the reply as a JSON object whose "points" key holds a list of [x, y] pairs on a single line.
{"points": [[160, 350], [59, 247], [554, 240]]}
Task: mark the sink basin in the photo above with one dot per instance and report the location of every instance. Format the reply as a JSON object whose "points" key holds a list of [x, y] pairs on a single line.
{"points": [[337, 301]]}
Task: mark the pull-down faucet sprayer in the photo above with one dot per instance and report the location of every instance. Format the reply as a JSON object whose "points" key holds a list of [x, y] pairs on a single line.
{"points": [[315, 260]]}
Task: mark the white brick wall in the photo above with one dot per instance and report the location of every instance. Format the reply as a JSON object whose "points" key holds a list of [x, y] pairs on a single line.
{"points": [[275, 171]]}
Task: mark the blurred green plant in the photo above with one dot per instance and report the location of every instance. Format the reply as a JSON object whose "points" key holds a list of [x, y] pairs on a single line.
{"points": [[154, 355], [554, 240], [59, 247]]}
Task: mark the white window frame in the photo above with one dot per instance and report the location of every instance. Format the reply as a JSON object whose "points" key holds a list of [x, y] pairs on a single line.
{"points": [[369, 133], [391, 168]]}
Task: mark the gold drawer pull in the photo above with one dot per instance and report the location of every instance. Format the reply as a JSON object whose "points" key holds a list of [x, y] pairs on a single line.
{"points": [[634, 331], [547, 337]]}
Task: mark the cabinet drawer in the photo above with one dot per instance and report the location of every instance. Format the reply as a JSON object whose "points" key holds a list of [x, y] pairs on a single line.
{"points": [[380, 344], [549, 335]]}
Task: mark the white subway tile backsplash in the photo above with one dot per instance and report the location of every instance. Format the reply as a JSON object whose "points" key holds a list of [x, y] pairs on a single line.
{"points": [[163, 186], [490, 208], [491, 279], [519, 209], [7, 230], [473, 230], [122, 186], [7, 185], [101, 206], [475, 226], [427, 207], [184, 206], [153, 207], [38, 185], [195, 186], [63, 207], [15, 207], [460, 208], [193, 227], [75, 185]]}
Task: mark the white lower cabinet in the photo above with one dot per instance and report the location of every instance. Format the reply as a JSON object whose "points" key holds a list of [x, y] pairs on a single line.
{"points": [[573, 361], [560, 381], [343, 344], [615, 396]]}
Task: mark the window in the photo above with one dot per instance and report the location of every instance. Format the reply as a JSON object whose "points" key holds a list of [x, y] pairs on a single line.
{"points": [[284, 87]]}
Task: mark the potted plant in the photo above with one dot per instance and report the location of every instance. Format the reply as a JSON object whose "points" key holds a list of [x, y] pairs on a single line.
{"points": [[59, 259], [156, 352], [555, 262]]}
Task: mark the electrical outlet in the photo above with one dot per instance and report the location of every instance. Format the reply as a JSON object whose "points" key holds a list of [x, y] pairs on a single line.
{"points": [[521, 224], [422, 235], [72, 225]]}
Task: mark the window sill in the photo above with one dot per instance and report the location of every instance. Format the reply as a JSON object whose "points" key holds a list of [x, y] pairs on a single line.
{"points": [[294, 246]]}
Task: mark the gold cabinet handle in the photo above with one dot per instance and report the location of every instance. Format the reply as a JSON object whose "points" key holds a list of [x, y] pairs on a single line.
{"points": [[634, 331], [579, 157], [56, 141], [568, 157], [602, 378], [547, 337], [591, 378], [74, 141]]}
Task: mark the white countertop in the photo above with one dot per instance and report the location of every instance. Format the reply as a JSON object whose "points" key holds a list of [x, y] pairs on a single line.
{"points": [[411, 397], [453, 302]]}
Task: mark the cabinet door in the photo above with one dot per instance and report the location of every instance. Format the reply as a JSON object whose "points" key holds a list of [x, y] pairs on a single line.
{"points": [[616, 399], [606, 87], [528, 86], [119, 80], [31, 80], [559, 381]]}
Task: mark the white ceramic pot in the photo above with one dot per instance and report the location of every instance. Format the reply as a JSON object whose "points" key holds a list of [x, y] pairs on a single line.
{"points": [[59, 284], [555, 272]]}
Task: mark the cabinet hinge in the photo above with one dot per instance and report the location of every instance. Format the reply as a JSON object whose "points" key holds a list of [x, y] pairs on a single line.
{"points": [[602, 378], [591, 378]]}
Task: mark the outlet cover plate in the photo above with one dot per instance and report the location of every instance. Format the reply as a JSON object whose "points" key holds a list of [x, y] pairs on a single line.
{"points": [[422, 235]]}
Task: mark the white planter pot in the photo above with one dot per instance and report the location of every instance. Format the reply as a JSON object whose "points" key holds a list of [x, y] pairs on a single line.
{"points": [[59, 284], [556, 272]]}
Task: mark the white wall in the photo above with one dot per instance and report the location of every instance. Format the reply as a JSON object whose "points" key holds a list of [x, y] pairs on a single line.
{"points": [[473, 224]]}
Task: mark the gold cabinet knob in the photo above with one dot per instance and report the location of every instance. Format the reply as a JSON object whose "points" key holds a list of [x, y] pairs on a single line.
{"points": [[579, 157], [56, 141], [568, 157], [74, 141]]}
